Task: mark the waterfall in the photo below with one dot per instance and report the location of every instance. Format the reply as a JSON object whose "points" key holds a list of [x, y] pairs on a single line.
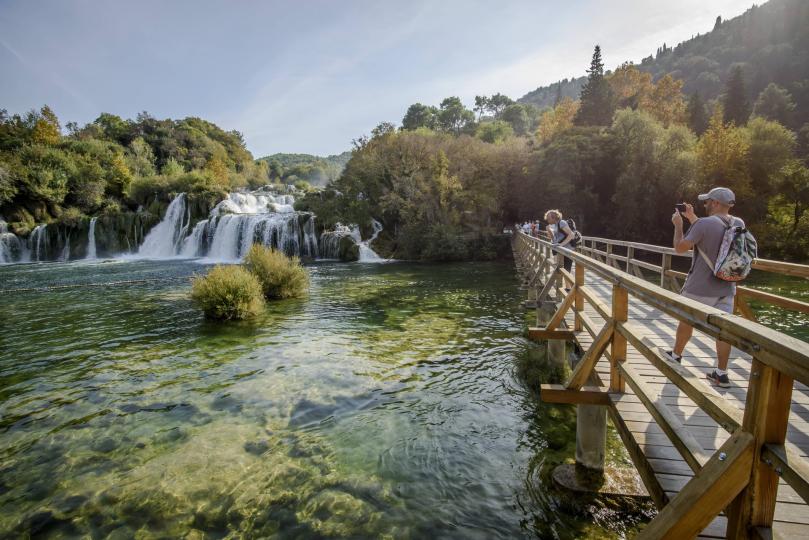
{"points": [[366, 253], [330, 240], [164, 239], [11, 248], [231, 228], [35, 242], [91, 240], [65, 256]]}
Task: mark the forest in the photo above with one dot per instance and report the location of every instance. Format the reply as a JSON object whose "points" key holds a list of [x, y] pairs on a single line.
{"points": [[617, 160], [770, 43], [112, 165], [305, 170]]}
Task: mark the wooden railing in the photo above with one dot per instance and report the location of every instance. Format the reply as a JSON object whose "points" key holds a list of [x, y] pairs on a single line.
{"points": [[741, 477], [633, 257]]}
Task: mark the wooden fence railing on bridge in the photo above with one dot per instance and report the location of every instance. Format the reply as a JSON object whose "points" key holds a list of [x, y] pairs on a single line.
{"points": [[739, 478]]}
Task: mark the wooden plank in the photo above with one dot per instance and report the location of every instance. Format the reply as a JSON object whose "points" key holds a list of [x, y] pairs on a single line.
{"points": [[639, 459], [780, 301], [766, 416], [707, 494], [725, 413], [620, 306], [585, 366], [540, 334], [786, 461], [557, 318], [595, 302], [588, 395], [681, 438]]}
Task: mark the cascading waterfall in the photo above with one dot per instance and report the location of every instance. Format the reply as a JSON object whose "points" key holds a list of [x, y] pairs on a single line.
{"points": [[366, 253], [164, 239], [232, 227], [91, 240], [37, 242], [330, 240], [11, 248]]}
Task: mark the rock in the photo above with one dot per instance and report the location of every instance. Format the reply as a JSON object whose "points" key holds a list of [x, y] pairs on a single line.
{"points": [[105, 445], [257, 447], [348, 249]]}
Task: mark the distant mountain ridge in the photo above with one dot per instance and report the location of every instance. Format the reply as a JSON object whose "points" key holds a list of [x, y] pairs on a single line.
{"points": [[770, 42]]}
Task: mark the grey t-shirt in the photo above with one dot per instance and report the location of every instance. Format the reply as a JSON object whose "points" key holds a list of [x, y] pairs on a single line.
{"points": [[559, 233], [707, 234]]}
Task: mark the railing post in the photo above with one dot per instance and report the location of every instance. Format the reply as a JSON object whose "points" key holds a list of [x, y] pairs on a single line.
{"points": [[630, 254], [578, 306], [665, 266], [620, 312], [609, 259], [766, 416]]}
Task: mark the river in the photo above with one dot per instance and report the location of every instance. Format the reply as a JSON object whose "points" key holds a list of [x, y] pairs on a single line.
{"points": [[385, 404]]}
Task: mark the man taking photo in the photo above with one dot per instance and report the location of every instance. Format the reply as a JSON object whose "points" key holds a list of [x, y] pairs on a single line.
{"points": [[705, 238]]}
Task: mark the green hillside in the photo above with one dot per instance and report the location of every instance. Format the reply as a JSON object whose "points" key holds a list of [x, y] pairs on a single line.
{"points": [[317, 170], [769, 42]]}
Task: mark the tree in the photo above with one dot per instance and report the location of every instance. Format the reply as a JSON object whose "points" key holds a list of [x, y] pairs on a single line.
{"points": [[517, 116], [557, 120], [775, 103], [596, 99], [497, 104], [481, 104], [771, 147], [630, 86], [494, 132], [418, 116], [666, 102], [723, 155], [453, 116], [794, 190], [46, 127], [734, 100], [383, 128], [695, 112]]}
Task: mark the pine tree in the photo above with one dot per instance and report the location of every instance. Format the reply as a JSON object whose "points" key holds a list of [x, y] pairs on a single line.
{"points": [[596, 98], [735, 102], [697, 119], [558, 97]]}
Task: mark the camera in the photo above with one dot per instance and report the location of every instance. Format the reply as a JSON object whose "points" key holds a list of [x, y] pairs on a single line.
{"points": [[680, 207]]}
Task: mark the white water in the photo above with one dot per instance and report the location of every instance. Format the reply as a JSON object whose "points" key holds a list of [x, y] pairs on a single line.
{"points": [[233, 226], [91, 240], [9, 244], [37, 242], [366, 253], [162, 241]]}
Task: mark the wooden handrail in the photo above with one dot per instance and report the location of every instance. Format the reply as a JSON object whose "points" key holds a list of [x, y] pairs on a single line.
{"points": [[756, 455]]}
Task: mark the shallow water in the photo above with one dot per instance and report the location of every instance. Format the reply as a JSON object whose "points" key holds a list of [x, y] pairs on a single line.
{"points": [[384, 404]]}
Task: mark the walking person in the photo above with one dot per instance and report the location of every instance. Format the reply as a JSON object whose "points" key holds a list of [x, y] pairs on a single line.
{"points": [[705, 236], [561, 234]]}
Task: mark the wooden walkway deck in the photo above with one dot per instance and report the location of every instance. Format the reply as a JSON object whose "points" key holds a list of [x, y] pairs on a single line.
{"points": [[715, 465], [637, 428]]}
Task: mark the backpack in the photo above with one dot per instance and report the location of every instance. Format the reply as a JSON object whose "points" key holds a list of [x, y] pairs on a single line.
{"points": [[576, 233], [736, 253]]}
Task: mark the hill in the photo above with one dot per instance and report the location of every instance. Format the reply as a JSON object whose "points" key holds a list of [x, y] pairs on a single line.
{"points": [[770, 42], [316, 170]]}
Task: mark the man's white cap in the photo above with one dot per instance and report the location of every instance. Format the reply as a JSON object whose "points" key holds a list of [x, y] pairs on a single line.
{"points": [[720, 194]]}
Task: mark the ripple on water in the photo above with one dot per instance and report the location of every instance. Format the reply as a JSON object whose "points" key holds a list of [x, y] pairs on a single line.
{"points": [[383, 404]]}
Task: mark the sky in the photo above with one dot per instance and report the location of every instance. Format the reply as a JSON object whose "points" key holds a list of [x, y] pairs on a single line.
{"points": [[309, 76]]}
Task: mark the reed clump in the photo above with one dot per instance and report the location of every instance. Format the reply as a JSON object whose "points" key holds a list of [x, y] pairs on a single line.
{"points": [[228, 293], [280, 276]]}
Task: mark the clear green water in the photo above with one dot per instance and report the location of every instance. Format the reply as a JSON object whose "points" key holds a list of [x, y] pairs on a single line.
{"points": [[386, 404], [792, 323]]}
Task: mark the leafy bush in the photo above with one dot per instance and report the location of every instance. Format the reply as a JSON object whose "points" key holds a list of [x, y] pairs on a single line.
{"points": [[280, 276], [227, 292]]}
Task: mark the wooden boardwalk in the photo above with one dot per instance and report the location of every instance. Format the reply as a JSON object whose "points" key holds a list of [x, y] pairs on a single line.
{"points": [[638, 428], [672, 421]]}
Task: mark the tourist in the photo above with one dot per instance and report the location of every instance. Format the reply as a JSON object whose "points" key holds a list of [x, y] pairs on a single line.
{"points": [[705, 235], [561, 234], [533, 228]]}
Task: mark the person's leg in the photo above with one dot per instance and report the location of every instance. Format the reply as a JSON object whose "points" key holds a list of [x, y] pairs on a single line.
{"points": [[568, 264], [722, 354], [684, 332]]}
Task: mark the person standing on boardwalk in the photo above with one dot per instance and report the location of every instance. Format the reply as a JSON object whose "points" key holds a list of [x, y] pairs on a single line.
{"points": [[705, 237], [561, 234]]}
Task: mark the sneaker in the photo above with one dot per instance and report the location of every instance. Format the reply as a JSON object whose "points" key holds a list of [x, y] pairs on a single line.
{"points": [[721, 381], [673, 357]]}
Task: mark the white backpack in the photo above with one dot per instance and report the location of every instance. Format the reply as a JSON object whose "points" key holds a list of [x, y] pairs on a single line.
{"points": [[736, 253]]}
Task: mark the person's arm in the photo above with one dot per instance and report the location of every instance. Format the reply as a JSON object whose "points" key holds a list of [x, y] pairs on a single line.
{"points": [[569, 236], [684, 243]]}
